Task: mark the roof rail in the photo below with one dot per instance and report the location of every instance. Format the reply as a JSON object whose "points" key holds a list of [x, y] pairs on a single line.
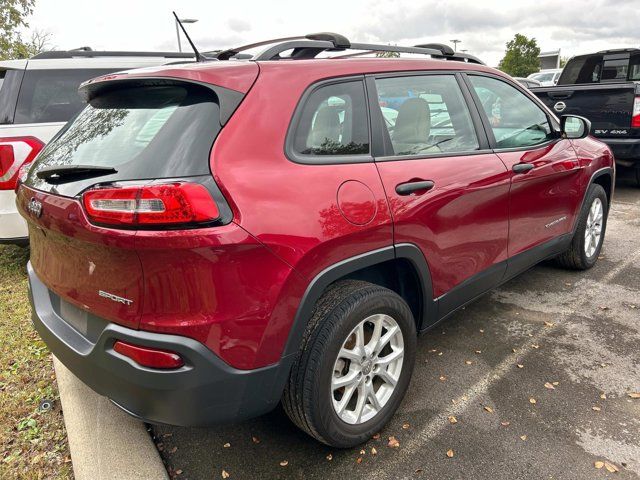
{"points": [[84, 53], [309, 46]]}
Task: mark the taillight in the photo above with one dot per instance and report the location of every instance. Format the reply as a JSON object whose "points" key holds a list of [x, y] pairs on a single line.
{"points": [[635, 118], [149, 357], [14, 153], [174, 203]]}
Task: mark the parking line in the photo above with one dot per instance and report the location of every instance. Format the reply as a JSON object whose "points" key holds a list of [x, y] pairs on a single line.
{"points": [[472, 396]]}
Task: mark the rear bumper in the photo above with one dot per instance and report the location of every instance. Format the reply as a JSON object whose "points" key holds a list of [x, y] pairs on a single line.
{"points": [[13, 228], [626, 149], [205, 391]]}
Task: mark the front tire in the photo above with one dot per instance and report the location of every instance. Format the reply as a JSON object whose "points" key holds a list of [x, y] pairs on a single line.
{"points": [[586, 244], [354, 365]]}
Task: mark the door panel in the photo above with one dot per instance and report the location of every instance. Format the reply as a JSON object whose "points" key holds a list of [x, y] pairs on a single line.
{"points": [[446, 195], [544, 200]]}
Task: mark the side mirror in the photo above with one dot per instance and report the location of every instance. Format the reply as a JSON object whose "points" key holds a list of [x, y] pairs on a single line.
{"points": [[574, 127]]}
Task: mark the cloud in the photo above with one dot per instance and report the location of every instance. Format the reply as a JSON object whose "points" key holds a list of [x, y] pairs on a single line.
{"points": [[238, 25]]}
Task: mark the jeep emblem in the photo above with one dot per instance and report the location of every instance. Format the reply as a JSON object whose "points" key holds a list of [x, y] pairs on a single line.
{"points": [[35, 207], [559, 107]]}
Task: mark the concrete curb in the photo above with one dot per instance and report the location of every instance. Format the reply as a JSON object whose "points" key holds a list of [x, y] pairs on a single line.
{"points": [[105, 442]]}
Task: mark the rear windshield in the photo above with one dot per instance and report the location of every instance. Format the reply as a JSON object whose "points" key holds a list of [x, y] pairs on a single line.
{"points": [[52, 95], [142, 132]]}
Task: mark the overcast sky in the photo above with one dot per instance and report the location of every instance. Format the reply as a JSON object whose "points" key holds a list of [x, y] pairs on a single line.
{"points": [[574, 26]]}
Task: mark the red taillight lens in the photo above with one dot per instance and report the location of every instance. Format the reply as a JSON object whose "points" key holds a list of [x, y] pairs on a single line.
{"points": [[635, 118], [162, 204], [149, 357], [14, 153]]}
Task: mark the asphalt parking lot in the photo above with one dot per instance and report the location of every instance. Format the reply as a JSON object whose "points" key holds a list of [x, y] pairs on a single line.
{"points": [[536, 376]]}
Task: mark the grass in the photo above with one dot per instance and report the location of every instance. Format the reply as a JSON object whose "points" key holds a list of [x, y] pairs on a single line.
{"points": [[33, 443]]}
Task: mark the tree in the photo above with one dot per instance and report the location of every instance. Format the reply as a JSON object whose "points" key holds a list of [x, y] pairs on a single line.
{"points": [[521, 57], [13, 16]]}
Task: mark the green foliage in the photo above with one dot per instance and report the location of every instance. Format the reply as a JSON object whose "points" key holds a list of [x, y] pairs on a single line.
{"points": [[521, 57], [13, 16]]}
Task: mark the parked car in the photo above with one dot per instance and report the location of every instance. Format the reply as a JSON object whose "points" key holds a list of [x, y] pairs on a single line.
{"points": [[547, 78], [209, 240], [528, 82], [37, 97], [605, 88]]}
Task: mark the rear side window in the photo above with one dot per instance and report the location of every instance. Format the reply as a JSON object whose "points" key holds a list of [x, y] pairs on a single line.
{"points": [[634, 68], [584, 69], [9, 94], [52, 95], [426, 114], [333, 122], [142, 132]]}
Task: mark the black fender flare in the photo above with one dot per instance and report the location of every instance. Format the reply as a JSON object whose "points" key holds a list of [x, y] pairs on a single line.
{"points": [[334, 272], [598, 173]]}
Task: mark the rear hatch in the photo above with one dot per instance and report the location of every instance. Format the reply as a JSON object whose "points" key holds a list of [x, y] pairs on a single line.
{"points": [[131, 135]]}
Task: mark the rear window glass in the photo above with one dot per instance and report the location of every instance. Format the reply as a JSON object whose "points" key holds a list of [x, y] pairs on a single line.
{"points": [[142, 132], [585, 69], [634, 68], [52, 95]]}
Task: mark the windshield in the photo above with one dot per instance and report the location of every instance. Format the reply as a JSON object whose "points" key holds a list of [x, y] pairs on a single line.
{"points": [[143, 133]]}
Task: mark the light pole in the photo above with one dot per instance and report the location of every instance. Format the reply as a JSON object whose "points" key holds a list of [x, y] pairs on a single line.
{"points": [[183, 20], [455, 44]]}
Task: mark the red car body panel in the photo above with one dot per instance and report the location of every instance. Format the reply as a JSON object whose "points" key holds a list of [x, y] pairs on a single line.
{"points": [[236, 288]]}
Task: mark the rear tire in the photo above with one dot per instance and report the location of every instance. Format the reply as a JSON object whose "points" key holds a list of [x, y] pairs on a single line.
{"points": [[586, 244], [332, 354]]}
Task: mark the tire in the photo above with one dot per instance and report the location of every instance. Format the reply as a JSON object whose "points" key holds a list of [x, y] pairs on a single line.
{"points": [[309, 396], [577, 256]]}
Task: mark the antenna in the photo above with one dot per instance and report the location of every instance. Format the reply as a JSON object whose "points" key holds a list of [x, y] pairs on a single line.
{"points": [[199, 56]]}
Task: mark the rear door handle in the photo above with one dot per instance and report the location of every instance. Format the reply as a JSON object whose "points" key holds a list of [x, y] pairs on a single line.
{"points": [[522, 167], [410, 187]]}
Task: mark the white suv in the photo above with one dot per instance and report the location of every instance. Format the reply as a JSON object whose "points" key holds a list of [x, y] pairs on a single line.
{"points": [[37, 97]]}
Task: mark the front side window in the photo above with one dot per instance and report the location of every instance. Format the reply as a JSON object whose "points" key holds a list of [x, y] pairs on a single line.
{"points": [[425, 114], [334, 122], [516, 121]]}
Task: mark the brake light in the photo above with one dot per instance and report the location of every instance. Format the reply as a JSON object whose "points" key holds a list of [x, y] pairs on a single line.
{"points": [[162, 204], [16, 152], [635, 118], [149, 357]]}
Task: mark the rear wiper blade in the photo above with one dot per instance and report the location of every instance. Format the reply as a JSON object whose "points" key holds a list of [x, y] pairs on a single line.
{"points": [[61, 173]]}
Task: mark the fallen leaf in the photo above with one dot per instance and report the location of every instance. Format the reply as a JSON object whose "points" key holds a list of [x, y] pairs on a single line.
{"points": [[255, 439], [549, 324], [166, 435], [549, 386], [532, 401], [329, 457], [453, 419], [376, 436], [478, 351], [523, 437], [482, 330], [178, 472], [513, 350], [568, 284], [450, 453], [439, 354], [611, 468], [468, 362], [363, 452], [555, 383], [284, 463], [374, 451], [505, 424], [393, 442], [520, 365], [226, 445], [603, 396], [603, 365], [225, 474], [536, 346], [596, 409], [604, 307], [433, 350], [634, 395], [598, 464], [405, 426], [488, 409], [359, 460], [418, 471], [442, 378]]}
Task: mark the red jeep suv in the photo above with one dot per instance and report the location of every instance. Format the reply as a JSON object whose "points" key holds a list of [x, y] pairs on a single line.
{"points": [[208, 240]]}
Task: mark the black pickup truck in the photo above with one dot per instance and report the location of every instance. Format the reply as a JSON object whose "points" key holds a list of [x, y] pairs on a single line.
{"points": [[605, 88]]}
